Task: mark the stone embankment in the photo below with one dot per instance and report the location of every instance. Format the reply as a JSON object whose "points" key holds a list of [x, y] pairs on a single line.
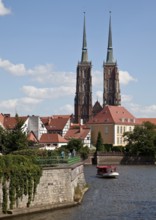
{"points": [[57, 189]]}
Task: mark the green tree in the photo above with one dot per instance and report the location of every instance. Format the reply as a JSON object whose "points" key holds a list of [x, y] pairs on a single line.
{"points": [[84, 152], [12, 140], [99, 142], [142, 140], [75, 144]]}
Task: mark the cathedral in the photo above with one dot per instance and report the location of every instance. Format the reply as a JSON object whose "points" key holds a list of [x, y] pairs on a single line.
{"points": [[84, 110]]}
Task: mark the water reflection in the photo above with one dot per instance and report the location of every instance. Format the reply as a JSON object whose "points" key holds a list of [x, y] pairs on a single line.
{"points": [[131, 196]]}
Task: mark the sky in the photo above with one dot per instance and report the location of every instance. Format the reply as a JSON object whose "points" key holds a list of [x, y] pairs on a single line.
{"points": [[41, 45]]}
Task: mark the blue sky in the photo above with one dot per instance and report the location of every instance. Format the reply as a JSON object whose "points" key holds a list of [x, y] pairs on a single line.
{"points": [[41, 44]]}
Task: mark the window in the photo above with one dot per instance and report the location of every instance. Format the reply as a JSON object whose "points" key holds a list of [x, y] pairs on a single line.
{"points": [[121, 130], [117, 129], [106, 130]]}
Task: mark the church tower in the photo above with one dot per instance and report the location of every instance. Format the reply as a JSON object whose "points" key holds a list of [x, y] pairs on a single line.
{"points": [[111, 93], [83, 97]]}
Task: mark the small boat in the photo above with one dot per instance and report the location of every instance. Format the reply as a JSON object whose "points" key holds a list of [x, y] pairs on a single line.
{"points": [[107, 171]]}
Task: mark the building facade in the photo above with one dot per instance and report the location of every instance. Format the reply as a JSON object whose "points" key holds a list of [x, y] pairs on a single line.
{"points": [[83, 97], [111, 93], [112, 122]]}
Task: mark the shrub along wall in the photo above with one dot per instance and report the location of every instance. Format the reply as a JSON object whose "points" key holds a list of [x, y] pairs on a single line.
{"points": [[56, 186]]}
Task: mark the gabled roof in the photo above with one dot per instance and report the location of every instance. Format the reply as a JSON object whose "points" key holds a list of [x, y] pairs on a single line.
{"points": [[97, 107], [52, 138], [113, 115], [77, 132], [32, 137], [11, 122], [142, 120], [54, 123]]}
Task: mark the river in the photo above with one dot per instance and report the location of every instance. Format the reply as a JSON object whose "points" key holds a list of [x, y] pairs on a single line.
{"points": [[132, 196]]}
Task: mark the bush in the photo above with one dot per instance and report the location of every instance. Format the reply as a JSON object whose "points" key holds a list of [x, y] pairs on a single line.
{"points": [[84, 152]]}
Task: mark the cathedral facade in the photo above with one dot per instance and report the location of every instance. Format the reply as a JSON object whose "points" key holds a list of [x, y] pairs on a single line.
{"points": [[83, 97], [84, 110], [111, 85]]}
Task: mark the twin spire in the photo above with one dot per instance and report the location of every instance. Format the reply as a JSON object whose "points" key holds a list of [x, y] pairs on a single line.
{"points": [[84, 57], [109, 58]]}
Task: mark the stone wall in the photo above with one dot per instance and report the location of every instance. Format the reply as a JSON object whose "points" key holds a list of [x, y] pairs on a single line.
{"points": [[56, 186], [117, 158], [104, 160]]}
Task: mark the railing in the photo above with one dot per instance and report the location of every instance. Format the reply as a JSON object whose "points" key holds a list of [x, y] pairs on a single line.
{"points": [[56, 161]]}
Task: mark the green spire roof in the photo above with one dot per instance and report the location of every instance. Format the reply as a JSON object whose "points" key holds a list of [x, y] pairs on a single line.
{"points": [[84, 57], [110, 58]]}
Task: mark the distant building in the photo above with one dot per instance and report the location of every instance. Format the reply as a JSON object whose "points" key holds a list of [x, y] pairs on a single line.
{"points": [[57, 124], [111, 93], [83, 97], [52, 141], [112, 122], [78, 131], [97, 108]]}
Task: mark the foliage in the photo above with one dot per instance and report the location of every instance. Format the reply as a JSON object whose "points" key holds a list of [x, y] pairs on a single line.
{"points": [[84, 152], [108, 147], [99, 142], [21, 176], [77, 193], [142, 140], [74, 144], [12, 140], [118, 148]]}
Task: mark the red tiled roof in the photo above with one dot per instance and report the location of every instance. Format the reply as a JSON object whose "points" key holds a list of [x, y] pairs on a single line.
{"points": [[142, 120], [31, 137], [10, 122], [62, 116], [54, 123], [52, 138], [78, 133], [113, 115]]}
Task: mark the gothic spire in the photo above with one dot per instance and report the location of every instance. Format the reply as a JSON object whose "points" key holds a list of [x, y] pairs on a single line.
{"points": [[110, 48], [84, 57]]}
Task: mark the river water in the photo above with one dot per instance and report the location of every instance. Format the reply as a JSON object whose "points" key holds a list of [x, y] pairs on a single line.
{"points": [[132, 196]]}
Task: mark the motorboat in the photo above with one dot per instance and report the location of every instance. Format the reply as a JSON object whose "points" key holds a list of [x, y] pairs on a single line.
{"points": [[107, 171]]}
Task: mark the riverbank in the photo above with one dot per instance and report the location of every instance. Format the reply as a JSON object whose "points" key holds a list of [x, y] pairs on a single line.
{"points": [[56, 190], [27, 211]]}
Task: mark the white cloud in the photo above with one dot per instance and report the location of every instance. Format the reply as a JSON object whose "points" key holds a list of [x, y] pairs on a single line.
{"points": [[143, 111], [47, 74], [97, 78], [62, 85], [98, 96], [126, 98], [138, 110], [41, 74], [125, 77], [48, 93], [3, 9], [15, 69], [24, 104], [66, 109]]}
